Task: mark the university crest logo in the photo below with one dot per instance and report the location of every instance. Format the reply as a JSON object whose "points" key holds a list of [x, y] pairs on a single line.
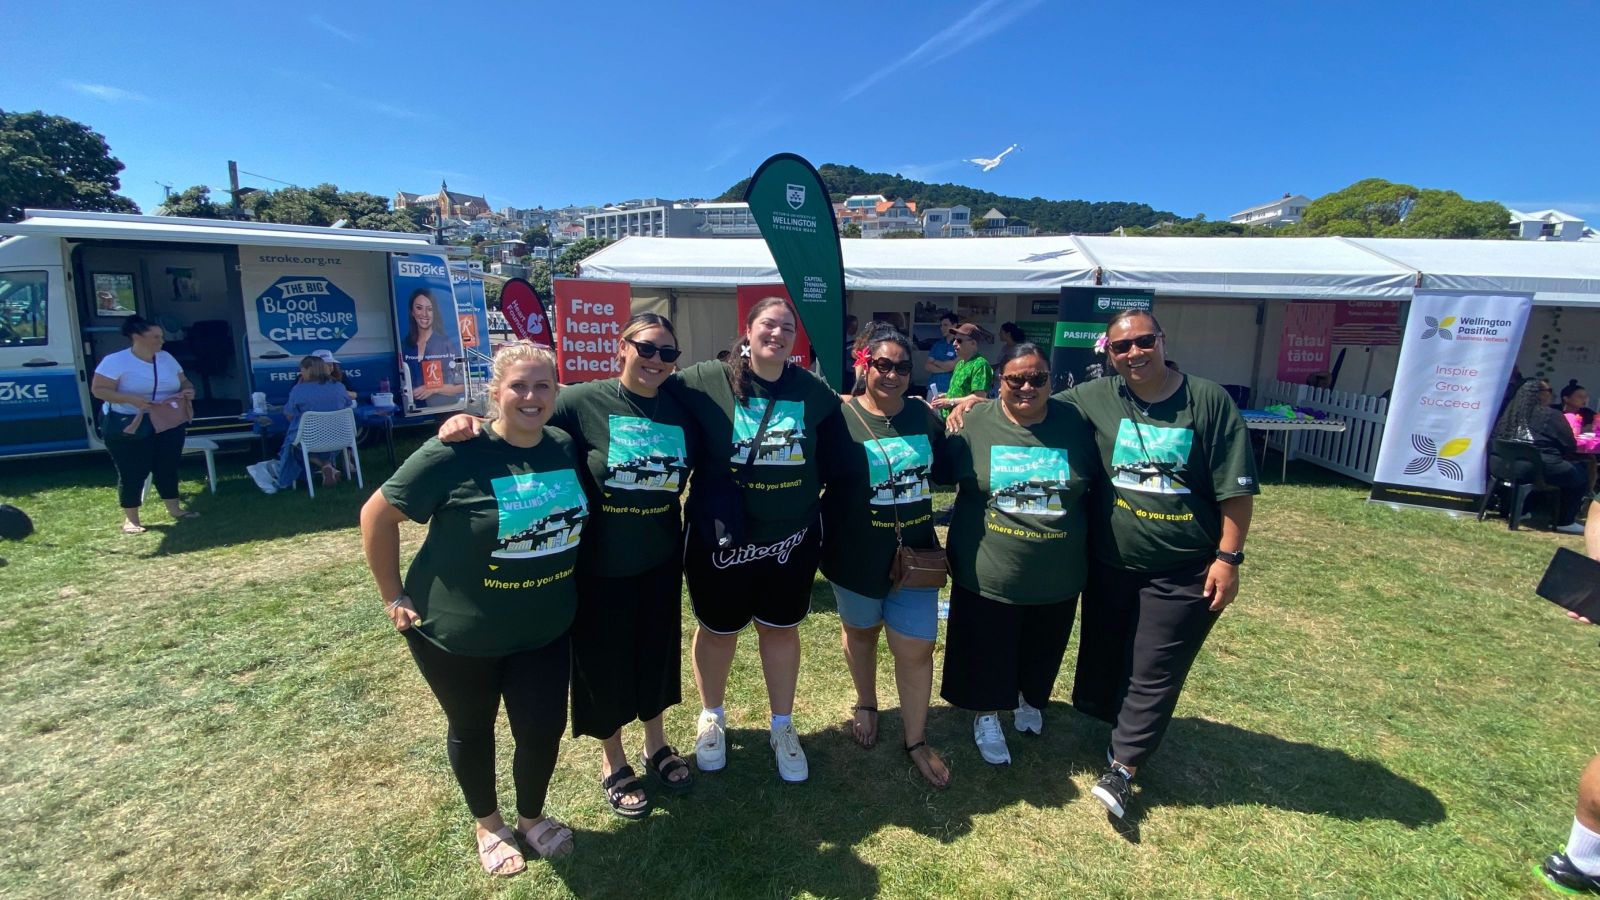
{"points": [[796, 196]]}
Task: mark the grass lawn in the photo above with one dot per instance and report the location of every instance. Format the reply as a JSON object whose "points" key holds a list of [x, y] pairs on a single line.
{"points": [[220, 708]]}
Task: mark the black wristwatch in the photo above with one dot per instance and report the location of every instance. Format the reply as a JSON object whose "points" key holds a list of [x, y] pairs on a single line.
{"points": [[1232, 559]]}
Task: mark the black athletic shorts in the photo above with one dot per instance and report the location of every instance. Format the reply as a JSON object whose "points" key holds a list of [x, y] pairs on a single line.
{"points": [[768, 582]]}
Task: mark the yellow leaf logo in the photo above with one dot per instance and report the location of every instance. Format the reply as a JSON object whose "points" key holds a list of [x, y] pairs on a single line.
{"points": [[1448, 321], [494, 568], [1455, 447]]}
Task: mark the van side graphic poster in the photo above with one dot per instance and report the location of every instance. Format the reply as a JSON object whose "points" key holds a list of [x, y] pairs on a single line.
{"points": [[645, 455], [781, 443], [1149, 458], [1028, 480], [540, 513]]}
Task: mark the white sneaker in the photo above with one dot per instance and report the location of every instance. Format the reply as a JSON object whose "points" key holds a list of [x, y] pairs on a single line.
{"points": [[791, 759], [1572, 528], [1027, 719], [261, 473], [991, 740], [710, 743]]}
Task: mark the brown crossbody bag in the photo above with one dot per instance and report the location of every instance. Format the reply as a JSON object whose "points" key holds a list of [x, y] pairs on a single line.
{"points": [[910, 567]]}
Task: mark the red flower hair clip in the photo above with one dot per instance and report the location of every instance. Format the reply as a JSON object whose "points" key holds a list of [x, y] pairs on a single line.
{"points": [[862, 357]]}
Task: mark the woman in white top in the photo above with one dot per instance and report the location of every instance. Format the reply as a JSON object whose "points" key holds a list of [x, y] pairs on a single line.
{"points": [[130, 382]]}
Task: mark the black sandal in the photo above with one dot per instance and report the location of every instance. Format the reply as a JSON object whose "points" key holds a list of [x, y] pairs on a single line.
{"points": [[618, 785], [665, 762]]}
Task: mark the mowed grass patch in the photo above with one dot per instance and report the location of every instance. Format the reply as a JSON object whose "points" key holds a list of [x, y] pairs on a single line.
{"points": [[219, 708]]}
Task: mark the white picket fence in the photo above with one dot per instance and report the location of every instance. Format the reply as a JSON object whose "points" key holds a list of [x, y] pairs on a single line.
{"points": [[1352, 452]]}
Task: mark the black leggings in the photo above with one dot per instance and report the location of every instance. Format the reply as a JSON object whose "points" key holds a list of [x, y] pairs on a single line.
{"points": [[142, 455], [534, 685], [1141, 634]]}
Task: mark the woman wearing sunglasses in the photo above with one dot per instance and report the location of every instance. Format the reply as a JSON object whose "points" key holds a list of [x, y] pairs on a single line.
{"points": [[1017, 549], [627, 637], [1168, 539], [898, 450]]}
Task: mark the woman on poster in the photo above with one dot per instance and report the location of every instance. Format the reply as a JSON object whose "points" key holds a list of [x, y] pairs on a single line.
{"points": [[504, 511], [431, 353]]}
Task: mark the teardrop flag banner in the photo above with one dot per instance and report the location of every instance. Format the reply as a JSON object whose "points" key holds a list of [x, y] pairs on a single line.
{"points": [[524, 311], [795, 215]]}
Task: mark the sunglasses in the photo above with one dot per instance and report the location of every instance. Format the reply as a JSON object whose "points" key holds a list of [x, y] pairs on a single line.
{"points": [[961, 338], [884, 365], [1031, 379], [648, 350], [1143, 342]]}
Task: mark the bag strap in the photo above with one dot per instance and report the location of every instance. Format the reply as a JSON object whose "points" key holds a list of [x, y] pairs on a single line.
{"points": [[755, 442], [894, 503]]}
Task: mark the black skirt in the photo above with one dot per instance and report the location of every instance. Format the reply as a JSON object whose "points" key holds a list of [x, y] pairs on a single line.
{"points": [[627, 648]]}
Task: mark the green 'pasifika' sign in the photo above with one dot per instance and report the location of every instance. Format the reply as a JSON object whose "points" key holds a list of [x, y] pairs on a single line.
{"points": [[792, 209]]}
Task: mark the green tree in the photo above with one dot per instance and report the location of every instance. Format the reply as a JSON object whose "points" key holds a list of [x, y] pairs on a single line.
{"points": [[52, 162], [539, 277], [536, 237], [852, 230], [568, 262], [1373, 207], [194, 202]]}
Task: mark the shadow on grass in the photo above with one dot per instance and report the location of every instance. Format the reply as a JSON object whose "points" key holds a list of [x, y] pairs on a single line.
{"points": [[741, 832], [1211, 764]]}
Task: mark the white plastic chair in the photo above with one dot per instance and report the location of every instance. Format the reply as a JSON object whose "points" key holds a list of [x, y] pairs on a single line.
{"points": [[325, 432]]}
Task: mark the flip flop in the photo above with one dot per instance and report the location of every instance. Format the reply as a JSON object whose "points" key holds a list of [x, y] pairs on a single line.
{"points": [[130, 528], [866, 740], [187, 514], [911, 751]]}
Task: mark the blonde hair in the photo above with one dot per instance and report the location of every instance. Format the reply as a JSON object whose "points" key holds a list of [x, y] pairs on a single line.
{"points": [[520, 352]]}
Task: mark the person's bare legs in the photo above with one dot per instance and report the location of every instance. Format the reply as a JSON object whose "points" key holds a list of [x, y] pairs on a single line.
{"points": [[913, 680], [713, 660], [655, 737], [861, 655], [780, 664], [130, 520]]}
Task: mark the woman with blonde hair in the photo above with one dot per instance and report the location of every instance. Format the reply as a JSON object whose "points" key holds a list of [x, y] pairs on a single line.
{"points": [[486, 604]]}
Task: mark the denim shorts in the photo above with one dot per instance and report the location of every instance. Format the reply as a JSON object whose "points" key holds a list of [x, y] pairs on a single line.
{"points": [[913, 612]]}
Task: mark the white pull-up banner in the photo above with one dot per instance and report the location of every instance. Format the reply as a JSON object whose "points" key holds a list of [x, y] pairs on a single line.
{"points": [[1456, 357]]}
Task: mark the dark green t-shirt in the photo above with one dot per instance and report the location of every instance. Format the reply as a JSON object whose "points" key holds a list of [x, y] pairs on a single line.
{"points": [[780, 489], [494, 575], [1020, 526], [891, 466], [636, 463], [1167, 469]]}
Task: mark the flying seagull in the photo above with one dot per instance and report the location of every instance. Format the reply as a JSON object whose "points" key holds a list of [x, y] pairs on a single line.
{"points": [[988, 164]]}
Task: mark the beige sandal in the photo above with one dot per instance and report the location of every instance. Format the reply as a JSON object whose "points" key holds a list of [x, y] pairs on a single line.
{"points": [[548, 838], [498, 848]]}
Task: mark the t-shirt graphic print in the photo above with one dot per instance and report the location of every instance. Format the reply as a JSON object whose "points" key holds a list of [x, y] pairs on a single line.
{"points": [[540, 513], [645, 456], [1028, 480], [780, 443], [1149, 458], [898, 469]]}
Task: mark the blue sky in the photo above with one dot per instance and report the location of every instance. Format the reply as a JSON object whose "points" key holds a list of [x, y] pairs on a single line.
{"points": [[1192, 107]]}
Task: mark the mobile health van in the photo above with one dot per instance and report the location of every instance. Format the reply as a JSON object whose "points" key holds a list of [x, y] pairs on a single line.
{"points": [[241, 303]]}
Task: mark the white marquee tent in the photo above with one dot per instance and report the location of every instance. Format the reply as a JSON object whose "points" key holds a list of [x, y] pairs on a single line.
{"points": [[1558, 274]]}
